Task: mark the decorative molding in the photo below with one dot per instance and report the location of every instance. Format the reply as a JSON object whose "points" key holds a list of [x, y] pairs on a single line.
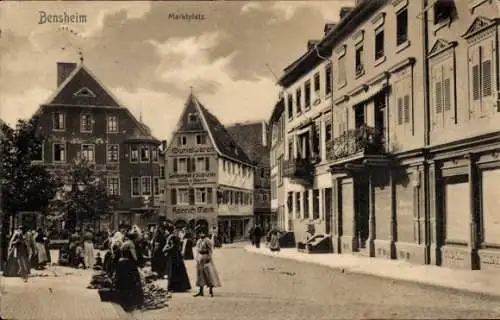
{"points": [[399, 4], [440, 46], [378, 78], [380, 60], [378, 20], [358, 37], [403, 46], [358, 90], [478, 25], [473, 4], [400, 65], [340, 100], [341, 50], [85, 93]]}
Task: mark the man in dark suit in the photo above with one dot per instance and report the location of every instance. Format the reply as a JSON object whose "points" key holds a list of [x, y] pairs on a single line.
{"points": [[257, 234]]}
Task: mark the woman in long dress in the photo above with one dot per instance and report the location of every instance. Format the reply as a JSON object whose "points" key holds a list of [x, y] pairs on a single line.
{"points": [[178, 280], [187, 246], [17, 258], [158, 258], [41, 251], [88, 251], [206, 274], [32, 253], [128, 281]]}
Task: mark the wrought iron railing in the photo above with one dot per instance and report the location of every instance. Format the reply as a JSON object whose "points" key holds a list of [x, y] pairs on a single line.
{"points": [[367, 140], [298, 168]]}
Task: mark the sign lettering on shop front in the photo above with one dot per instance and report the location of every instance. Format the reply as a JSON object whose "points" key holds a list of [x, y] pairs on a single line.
{"points": [[193, 150], [197, 176], [187, 210]]}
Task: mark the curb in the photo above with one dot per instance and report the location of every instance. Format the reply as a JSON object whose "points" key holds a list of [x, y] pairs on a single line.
{"points": [[352, 270]]}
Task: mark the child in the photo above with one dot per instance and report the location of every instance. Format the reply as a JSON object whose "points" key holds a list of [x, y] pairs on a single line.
{"points": [[98, 262]]}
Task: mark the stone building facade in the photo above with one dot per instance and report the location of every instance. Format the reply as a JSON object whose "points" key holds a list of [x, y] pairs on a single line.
{"points": [[412, 147]]}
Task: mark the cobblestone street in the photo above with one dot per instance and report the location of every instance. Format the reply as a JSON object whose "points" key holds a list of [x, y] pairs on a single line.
{"points": [[254, 287]]}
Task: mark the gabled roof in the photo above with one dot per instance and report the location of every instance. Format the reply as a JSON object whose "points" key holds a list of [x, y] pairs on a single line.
{"points": [[223, 142], [82, 80], [250, 137]]}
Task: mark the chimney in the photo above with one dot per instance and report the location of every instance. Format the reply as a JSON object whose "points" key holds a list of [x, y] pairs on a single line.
{"points": [[328, 27], [64, 69], [311, 44], [344, 11]]}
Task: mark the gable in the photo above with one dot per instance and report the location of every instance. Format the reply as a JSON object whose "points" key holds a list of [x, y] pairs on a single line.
{"points": [[479, 24], [441, 45], [83, 89], [190, 119]]}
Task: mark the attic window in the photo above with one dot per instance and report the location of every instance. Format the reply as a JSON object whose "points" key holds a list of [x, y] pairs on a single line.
{"points": [[192, 118], [85, 93], [443, 10]]}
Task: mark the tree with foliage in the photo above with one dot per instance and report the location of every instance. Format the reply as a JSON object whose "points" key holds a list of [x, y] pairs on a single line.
{"points": [[85, 197], [25, 186]]}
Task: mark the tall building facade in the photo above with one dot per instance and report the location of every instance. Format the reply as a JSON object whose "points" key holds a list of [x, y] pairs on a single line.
{"points": [[277, 153], [210, 179], [412, 147], [82, 119], [253, 138]]}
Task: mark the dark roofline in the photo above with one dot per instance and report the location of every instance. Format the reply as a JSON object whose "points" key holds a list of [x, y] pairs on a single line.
{"points": [[310, 58], [278, 110]]}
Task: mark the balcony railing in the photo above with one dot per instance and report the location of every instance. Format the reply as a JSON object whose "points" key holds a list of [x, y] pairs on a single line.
{"points": [[298, 168], [366, 140]]}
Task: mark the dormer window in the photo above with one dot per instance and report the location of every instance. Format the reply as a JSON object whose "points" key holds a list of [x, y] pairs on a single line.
{"points": [[443, 10], [192, 117], [182, 140]]}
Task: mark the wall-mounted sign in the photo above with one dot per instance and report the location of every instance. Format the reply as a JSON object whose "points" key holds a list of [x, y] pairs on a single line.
{"points": [[193, 150], [192, 175], [192, 209]]}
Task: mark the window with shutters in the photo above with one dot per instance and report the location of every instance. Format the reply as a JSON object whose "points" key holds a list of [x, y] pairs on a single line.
{"points": [[146, 186], [135, 186], [342, 80], [403, 103], [202, 164], [201, 196], [482, 79], [442, 92], [134, 153], [182, 196], [182, 165]]}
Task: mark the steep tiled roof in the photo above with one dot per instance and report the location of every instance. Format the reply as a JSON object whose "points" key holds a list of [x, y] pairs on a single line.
{"points": [[250, 137], [223, 142]]}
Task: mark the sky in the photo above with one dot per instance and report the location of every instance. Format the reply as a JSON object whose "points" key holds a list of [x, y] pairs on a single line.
{"points": [[151, 62]]}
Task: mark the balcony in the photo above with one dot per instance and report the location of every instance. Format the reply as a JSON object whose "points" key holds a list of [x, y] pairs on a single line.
{"points": [[361, 141], [300, 170]]}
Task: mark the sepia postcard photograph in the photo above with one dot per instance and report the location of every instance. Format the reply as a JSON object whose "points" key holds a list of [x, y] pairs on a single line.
{"points": [[227, 160]]}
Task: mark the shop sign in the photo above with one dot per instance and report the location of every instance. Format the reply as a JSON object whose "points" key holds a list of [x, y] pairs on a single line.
{"points": [[192, 210], [197, 177], [193, 150]]}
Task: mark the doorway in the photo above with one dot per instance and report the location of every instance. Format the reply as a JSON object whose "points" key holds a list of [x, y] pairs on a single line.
{"points": [[328, 210], [362, 196]]}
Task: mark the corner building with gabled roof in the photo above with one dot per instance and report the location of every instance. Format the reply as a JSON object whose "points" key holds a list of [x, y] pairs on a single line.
{"points": [[210, 179]]}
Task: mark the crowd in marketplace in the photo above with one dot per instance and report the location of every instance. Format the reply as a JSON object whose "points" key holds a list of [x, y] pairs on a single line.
{"points": [[132, 260]]}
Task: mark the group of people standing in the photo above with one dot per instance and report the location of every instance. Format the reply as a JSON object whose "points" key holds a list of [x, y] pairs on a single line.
{"points": [[272, 238], [79, 252], [168, 249], [27, 249]]}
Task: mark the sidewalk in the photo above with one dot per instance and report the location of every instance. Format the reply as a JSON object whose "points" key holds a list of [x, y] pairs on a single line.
{"points": [[480, 282]]}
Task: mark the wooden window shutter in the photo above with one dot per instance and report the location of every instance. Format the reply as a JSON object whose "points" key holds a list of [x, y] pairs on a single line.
{"points": [[407, 108], [400, 111], [475, 73], [175, 164], [173, 196], [487, 69], [447, 94], [188, 164], [193, 165], [191, 196], [438, 97], [209, 195], [207, 164]]}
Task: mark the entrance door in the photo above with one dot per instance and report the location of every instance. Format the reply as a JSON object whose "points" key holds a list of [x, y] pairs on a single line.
{"points": [[328, 210], [361, 193]]}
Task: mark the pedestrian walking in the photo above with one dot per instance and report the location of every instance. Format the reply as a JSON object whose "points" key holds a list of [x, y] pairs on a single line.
{"points": [[206, 274], [178, 280], [257, 235], [169, 230], [88, 251], [128, 281], [17, 257], [187, 246], [41, 251]]}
